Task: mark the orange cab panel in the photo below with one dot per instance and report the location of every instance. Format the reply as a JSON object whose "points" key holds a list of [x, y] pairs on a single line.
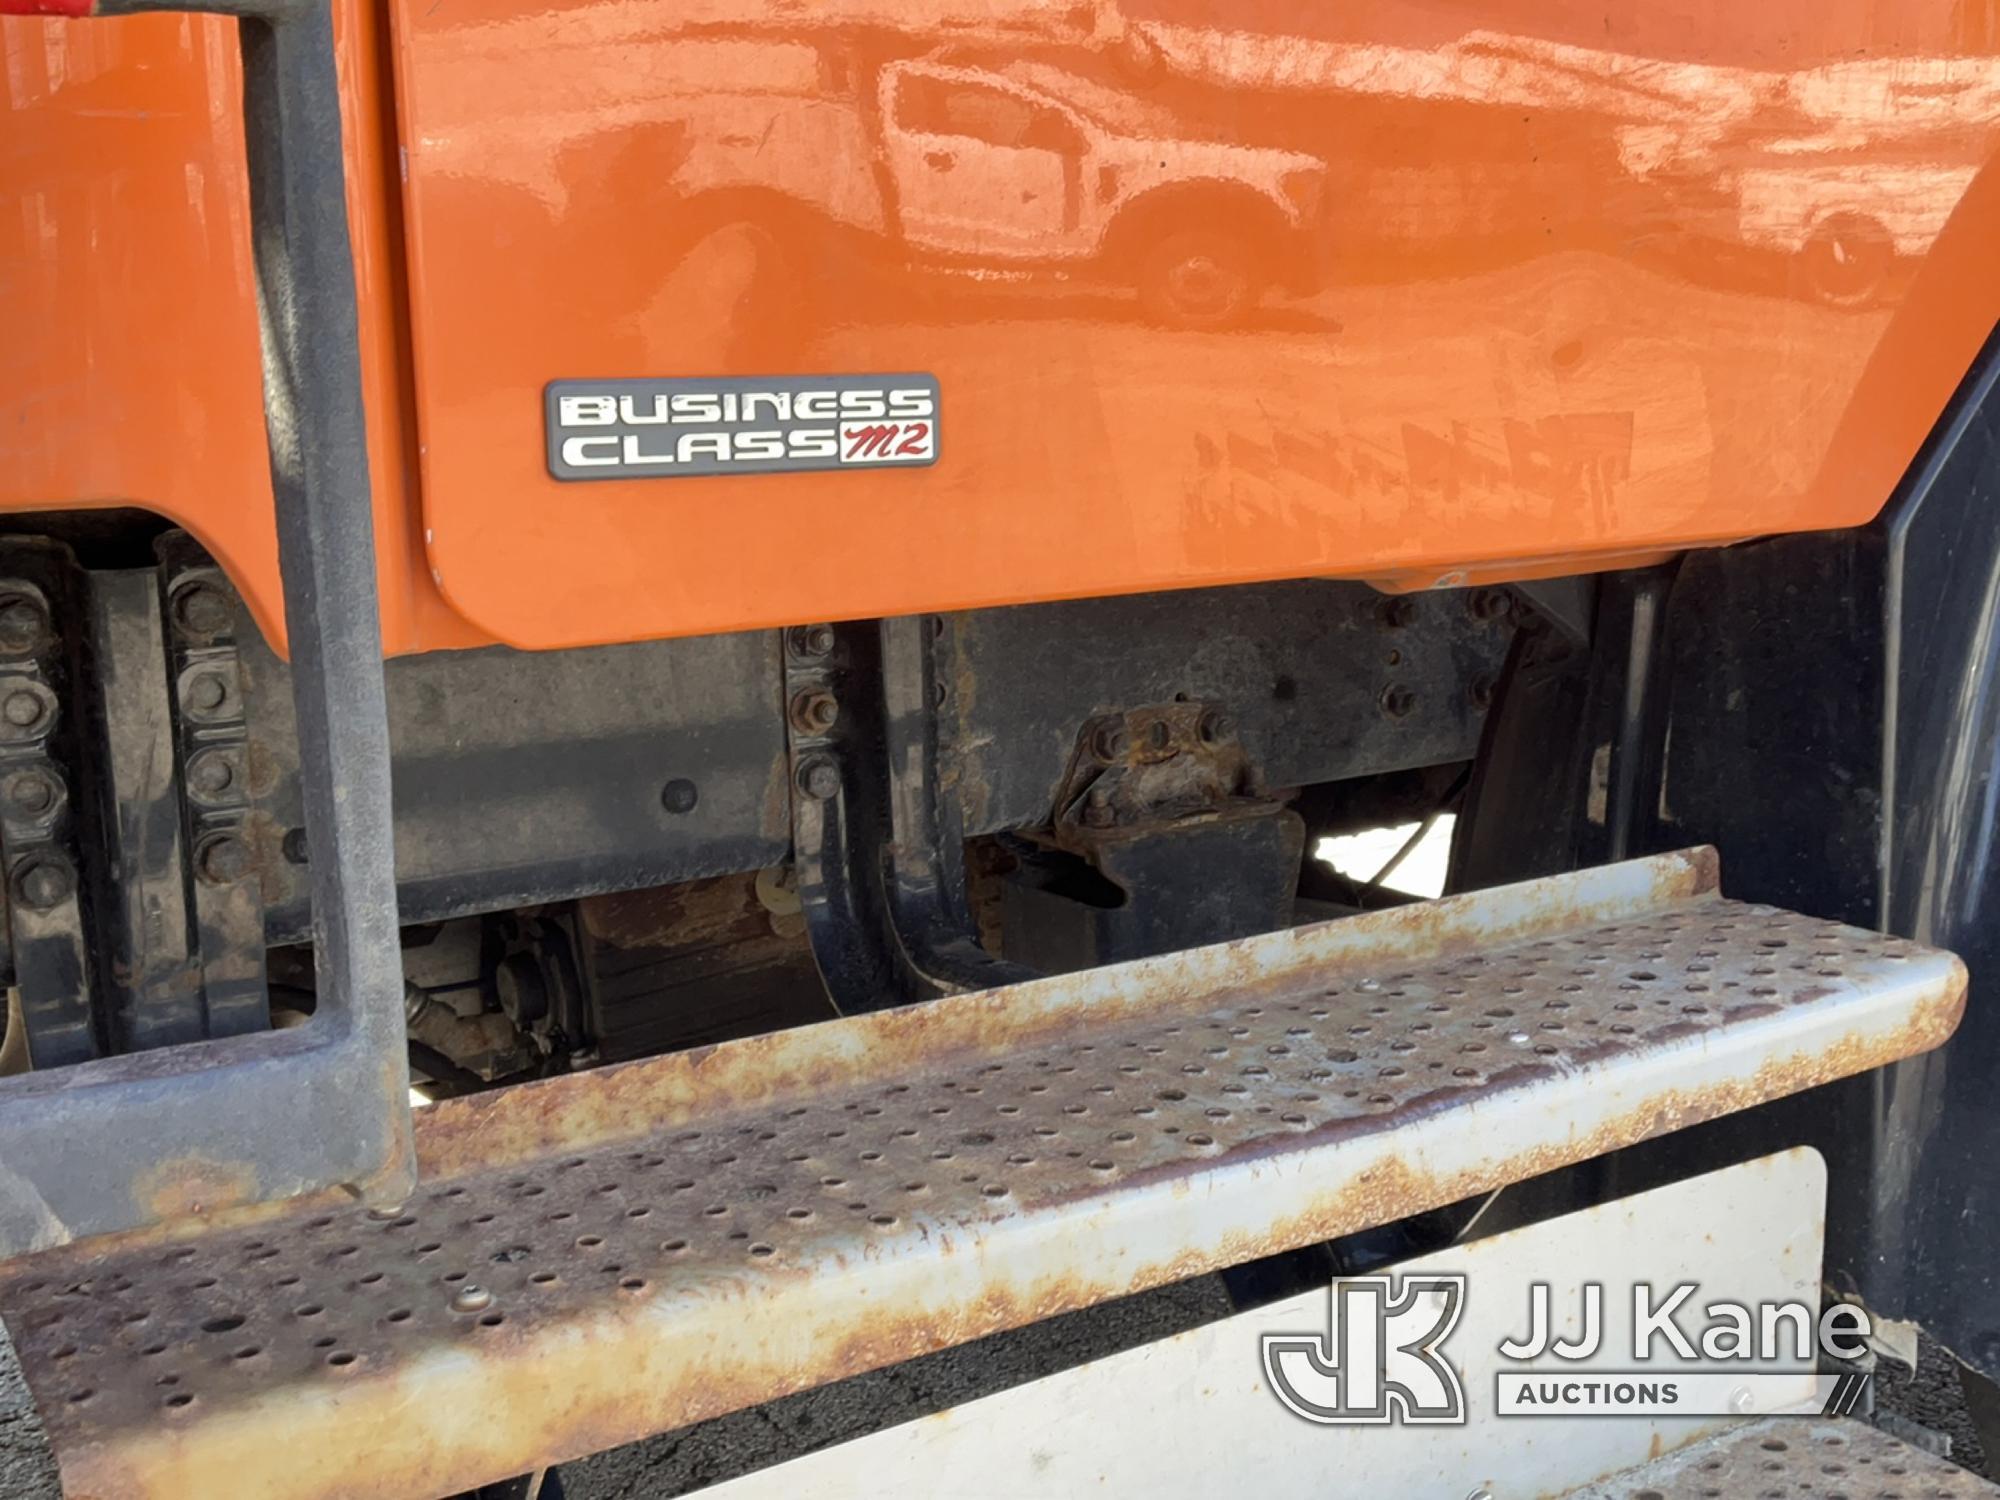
{"points": [[1210, 291], [1204, 292], [128, 314]]}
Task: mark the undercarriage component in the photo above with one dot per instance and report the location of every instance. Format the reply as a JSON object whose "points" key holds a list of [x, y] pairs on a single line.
{"points": [[136, 919], [320, 1110], [1162, 837], [692, 964], [878, 851], [678, 1237]]}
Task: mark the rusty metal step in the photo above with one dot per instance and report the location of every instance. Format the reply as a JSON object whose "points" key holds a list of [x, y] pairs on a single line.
{"points": [[1789, 1458], [599, 1257]]}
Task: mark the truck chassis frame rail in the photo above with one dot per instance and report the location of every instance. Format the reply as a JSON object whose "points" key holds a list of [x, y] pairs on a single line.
{"points": [[678, 1237]]}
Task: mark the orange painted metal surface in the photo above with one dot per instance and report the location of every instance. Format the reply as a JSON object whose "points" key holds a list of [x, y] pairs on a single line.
{"points": [[128, 314], [1215, 292]]}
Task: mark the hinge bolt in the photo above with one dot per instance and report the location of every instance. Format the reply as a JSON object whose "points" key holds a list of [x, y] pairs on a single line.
{"points": [[224, 860], [210, 773], [43, 884], [32, 792], [201, 611], [23, 624], [24, 709], [207, 693]]}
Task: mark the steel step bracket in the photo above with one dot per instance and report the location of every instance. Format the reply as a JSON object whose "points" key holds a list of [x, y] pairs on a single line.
{"points": [[596, 1258]]}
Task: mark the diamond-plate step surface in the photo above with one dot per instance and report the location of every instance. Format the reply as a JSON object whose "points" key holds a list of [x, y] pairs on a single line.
{"points": [[1795, 1459], [613, 1254]]}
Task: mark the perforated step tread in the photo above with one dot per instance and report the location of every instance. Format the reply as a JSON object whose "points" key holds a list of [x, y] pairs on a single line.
{"points": [[1794, 1459], [615, 1254]]}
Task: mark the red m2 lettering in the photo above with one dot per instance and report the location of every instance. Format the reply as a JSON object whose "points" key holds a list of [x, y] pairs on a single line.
{"points": [[881, 440]]}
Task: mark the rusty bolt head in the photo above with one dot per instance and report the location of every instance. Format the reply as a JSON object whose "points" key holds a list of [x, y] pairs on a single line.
{"points": [[210, 773], [201, 610], [224, 860], [1398, 701], [1489, 604], [24, 624], [1097, 812], [1215, 727], [1108, 742], [814, 711], [25, 709], [43, 883], [812, 640], [819, 779], [679, 796], [471, 1299], [1397, 612], [32, 792]]}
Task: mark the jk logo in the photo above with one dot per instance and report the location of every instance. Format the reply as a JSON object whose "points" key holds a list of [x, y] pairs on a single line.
{"points": [[1378, 1361]]}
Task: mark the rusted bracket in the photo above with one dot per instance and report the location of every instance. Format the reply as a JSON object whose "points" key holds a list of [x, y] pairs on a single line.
{"points": [[878, 852], [117, 1142]]}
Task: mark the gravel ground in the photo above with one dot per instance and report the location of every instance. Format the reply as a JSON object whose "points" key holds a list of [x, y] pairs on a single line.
{"points": [[1931, 1397]]}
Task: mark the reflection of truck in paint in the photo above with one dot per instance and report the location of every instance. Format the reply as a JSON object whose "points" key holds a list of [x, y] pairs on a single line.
{"points": [[1849, 226], [1017, 170]]}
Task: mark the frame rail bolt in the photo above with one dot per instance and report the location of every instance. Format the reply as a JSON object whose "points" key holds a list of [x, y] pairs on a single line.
{"points": [[819, 779], [814, 711], [812, 640]]}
